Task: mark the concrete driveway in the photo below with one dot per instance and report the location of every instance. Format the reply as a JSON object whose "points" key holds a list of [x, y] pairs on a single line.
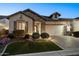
{"points": [[66, 42]]}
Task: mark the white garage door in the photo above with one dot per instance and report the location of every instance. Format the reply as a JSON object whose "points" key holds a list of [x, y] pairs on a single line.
{"points": [[76, 25], [55, 29]]}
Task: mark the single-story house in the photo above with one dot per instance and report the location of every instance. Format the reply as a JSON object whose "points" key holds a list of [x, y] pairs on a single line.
{"points": [[30, 22]]}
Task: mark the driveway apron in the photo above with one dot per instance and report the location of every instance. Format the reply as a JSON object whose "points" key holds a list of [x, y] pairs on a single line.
{"points": [[66, 42]]}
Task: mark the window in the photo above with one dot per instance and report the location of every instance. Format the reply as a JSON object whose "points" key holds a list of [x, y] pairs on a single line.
{"points": [[20, 26]]}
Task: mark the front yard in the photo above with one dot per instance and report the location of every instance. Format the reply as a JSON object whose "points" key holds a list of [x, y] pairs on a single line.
{"points": [[25, 47], [28, 43]]}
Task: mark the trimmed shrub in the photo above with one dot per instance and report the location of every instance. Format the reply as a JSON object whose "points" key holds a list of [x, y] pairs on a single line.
{"points": [[35, 35], [19, 33], [76, 34], [11, 36], [27, 36], [44, 35]]}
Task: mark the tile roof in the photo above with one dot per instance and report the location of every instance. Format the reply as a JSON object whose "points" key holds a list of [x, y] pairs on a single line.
{"points": [[47, 18]]}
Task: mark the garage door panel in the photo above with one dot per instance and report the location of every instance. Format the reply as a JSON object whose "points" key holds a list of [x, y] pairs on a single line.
{"points": [[54, 29]]}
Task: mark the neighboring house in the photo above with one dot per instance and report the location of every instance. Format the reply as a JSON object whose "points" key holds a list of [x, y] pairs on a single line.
{"points": [[30, 22], [4, 22]]}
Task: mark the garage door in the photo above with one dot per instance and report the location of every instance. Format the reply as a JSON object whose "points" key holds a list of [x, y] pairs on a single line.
{"points": [[75, 26], [55, 29]]}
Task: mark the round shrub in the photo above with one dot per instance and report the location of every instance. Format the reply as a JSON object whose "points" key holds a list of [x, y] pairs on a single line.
{"points": [[35, 35], [44, 35], [27, 36], [11, 36], [76, 34]]}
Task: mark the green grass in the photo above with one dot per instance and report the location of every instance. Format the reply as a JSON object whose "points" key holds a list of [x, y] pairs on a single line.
{"points": [[31, 47]]}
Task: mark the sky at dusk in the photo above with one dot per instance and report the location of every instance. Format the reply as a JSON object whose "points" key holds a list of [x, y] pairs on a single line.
{"points": [[67, 10]]}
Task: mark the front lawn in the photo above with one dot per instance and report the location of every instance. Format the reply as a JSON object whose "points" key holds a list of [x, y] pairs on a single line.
{"points": [[31, 47]]}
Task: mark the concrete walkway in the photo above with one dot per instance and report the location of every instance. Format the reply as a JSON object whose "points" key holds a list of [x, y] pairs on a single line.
{"points": [[2, 51], [66, 42]]}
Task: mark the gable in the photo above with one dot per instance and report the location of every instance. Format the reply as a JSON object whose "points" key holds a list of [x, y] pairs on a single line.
{"points": [[20, 13], [34, 15]]}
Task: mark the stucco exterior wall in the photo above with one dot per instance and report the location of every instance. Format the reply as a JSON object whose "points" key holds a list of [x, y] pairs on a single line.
{"points": [[42, 27], [37, 19], [17, 17]]}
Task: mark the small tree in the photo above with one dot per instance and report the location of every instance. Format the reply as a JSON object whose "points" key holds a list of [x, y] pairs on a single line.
{"points": [[35, 35], [44, 35]]}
